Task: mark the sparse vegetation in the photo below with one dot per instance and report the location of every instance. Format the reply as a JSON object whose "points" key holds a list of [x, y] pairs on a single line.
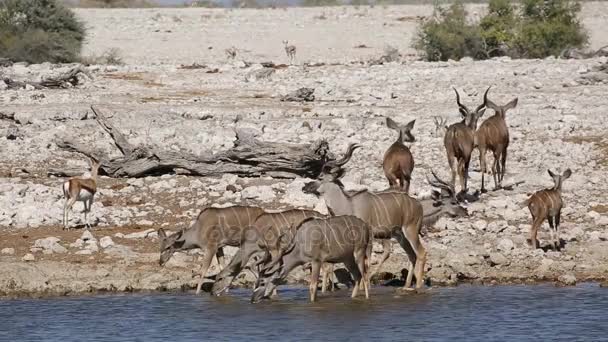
{"points": [[109, 57], [536, 29], [37, 31]]}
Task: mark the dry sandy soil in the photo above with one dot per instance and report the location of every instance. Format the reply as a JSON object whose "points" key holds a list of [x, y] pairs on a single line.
{"points": [[559, 123]]}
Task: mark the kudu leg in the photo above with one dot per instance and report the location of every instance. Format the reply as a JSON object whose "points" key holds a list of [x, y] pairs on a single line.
{"points": [[462, 174], [496, 170], [327, 271], [209, 253], [536, 223], [314, 280], [503, 165], [386, 251], [483, 166], [412, 234], [353, 269], [553, 231], [557, 221], [411, 255], [362, 266], [466, 175], [451, 162]]}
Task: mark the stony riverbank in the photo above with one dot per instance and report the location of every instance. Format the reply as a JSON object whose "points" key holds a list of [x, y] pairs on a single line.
{"points": [[155, 101]]}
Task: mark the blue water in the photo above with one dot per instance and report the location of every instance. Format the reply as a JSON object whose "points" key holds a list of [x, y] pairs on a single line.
{"points": [[465, 313]]}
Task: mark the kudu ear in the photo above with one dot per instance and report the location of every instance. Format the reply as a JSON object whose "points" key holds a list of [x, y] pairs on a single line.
{"points": [[463, 112], [567, 174], [510, 105], [551, 174], [481, 112], [161, 234], [410, 125], [392, 124]]}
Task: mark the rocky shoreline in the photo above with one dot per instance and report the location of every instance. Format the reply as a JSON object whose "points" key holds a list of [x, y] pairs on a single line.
{"points": [[196, 102]]}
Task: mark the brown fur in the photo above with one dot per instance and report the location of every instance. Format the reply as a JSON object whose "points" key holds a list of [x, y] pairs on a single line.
{"points": [[547, 204], [493, 135], [73, 191], [213, 229], [398, 162], [459, 142]]}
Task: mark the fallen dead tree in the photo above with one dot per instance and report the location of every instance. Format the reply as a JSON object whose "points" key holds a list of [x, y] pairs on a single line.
{"points": [[248, 157], [66, 80]]}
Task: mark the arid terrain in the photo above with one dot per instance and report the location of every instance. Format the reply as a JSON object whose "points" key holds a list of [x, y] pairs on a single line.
{"points": [[178, 91]]}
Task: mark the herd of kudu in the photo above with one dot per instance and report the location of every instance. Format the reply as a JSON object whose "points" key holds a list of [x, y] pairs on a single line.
{"points": [[277, 242]]}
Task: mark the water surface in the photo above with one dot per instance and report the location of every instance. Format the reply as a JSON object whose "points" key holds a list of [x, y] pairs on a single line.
{"points": [[465, 313]]}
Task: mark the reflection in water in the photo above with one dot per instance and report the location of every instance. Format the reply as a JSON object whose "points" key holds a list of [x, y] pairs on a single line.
{"points": [[466, 313]]}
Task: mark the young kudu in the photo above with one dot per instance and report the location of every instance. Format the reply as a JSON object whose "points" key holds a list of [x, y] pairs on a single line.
{"points": [[398, 162], [547, 204], [341, 239], [269, 230], [213, 229], [493, 135], [459, 142], [81, 189]]}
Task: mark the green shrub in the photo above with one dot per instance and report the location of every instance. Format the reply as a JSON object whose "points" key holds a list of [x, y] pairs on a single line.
{"points": [[449, 35], [538, 29], [498, 28], [39, 31], [548, 27]]}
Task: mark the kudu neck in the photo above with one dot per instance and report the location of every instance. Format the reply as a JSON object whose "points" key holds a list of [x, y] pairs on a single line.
{"points": [[337, 201]]}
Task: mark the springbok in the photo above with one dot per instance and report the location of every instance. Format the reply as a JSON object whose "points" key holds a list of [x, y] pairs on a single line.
{"points": [[440, 126], [269, 229], [290, 50], [81, 189], [459, 142], [340, 239], [213, 229], [398, 162], [493, 135], [231, 52], [547, 204]]}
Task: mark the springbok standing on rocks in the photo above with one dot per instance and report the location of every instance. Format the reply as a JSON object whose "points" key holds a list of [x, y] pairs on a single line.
{"points": [[290, 50], [459, 142], [493, 135], [341, 239], [547, 204], [213, 229], [398, 162], [81, 189]]}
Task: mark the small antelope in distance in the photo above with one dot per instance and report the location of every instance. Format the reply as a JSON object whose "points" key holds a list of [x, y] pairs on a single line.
{"points": [[440, 126], [398, 162], [459, 142], [81, 189], [290, 50], [547, 204], [213, 229], [339, 239], [231, 52], [493, 135]]}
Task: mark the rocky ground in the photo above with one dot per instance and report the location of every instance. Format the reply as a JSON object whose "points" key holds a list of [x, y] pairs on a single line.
{"points": [[559, 123]]}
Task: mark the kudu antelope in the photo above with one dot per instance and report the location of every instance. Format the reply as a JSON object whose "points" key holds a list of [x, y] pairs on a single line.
{"points": [[290, 50], [547, 204], [398, 162], [493, 135], [340, 239], [81, 189], [459, 142], [267, 233], [392, 214], [213, 229]]}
